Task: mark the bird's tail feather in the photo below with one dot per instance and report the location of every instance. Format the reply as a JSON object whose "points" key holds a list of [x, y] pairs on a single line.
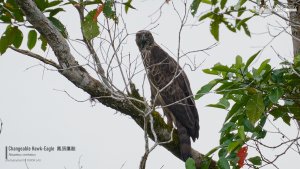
{"points": [[185, 142]]}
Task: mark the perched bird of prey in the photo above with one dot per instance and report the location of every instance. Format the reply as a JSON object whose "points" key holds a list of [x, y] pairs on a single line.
{"points": [[170, 88]]}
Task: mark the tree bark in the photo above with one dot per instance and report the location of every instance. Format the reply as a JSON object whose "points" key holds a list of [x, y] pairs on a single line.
{"points": [[83, 80], [295, 24], [295, 27]]}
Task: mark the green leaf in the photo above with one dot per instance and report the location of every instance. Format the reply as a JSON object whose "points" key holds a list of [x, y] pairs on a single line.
{"points": [[295, 110], [248, 125], [212, 151], [90, 27], [233, 146], [277, 76], [195, 6], [223, 163], [223, 3], [239, 4], [255, 160], [276, 94], [297, 60], [287, 119], [277, 113], [4, 42], [108, 10], [250, 60], [32, 37], [206, 2], [209, 71], [92, 2], [246, 29], [238, 62], [241, 11], [54, 3], [128, 5], [275, 3], [13, 9], [41, 4], [263, 121], [255, 107], [8, 37], [44, 43], [223, 151], [214, 29], [225, 87], [263, 66], [5, 18], [241, 132], [206, 88], [62, 29], [190, 164], [241, 22], [227, 126], [207, 15], [18, 38], [229, 26], [222, 104], [214, 2], [10, 33], [236, 108], [55, 11], [260, 134], [222, 68]]}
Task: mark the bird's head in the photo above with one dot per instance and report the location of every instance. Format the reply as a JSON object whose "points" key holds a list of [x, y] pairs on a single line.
{"points": [[144, 39]]}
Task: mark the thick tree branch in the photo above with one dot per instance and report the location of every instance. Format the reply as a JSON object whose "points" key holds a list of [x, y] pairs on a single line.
{"points": [[295, 24], [81, 78], [295, 27]]}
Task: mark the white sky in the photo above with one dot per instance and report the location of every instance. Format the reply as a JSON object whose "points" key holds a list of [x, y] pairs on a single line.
{"points": [[34, 114]]}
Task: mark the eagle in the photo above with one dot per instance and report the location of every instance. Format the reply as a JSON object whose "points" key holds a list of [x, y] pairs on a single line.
{"points": [[170, 89]]}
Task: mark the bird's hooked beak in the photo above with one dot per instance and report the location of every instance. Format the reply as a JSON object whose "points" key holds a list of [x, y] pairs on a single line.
{"points": [[143, 38]]}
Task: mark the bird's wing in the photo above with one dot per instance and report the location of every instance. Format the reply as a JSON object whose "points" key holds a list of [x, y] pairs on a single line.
{"points": [[177, 96]]}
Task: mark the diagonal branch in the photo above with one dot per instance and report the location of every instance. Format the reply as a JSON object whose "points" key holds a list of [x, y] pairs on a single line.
{"points": [[99, 68], [83, 80], [36, 56]]}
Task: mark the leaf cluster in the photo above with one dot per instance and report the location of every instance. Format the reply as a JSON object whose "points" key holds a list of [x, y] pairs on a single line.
{"points": [[234, 17], [251, 95], [12, 16]]}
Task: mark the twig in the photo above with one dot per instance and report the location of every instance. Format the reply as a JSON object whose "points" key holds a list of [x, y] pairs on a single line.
{"points": [[36, 56]]}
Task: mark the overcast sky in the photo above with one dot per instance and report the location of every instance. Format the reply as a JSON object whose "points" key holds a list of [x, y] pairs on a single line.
{"points": [[35, 113]]}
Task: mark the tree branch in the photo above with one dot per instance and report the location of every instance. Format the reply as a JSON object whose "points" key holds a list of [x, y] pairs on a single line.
{"points": [[36, 56], [295, 28], [83, 80], [295, 24], [90, 47]]}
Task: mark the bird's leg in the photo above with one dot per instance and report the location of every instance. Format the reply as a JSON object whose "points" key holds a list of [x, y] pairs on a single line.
{"points": [[169, 117], [169, 121]]}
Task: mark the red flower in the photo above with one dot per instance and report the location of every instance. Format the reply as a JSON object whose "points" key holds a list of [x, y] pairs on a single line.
{"points": [[242, 154]]}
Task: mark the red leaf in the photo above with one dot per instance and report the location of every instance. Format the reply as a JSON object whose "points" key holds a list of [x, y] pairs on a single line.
{"points": [[99, 10], [242, 154]]}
